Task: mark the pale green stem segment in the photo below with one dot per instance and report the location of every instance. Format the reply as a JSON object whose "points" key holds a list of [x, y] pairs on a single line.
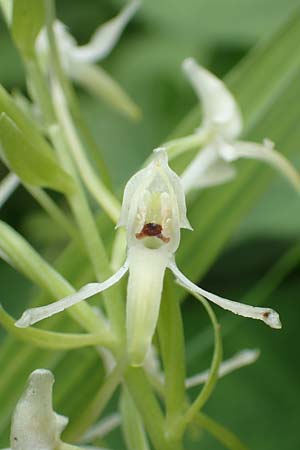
{"points": [[215, 365], [93, 243], [171, 338], [54, 340], [97, 405], [79, 203], [148, 406], [95, 185], [102, 428], [102, 195], [222, 434], [87, 137], [178, 146], [132, 425]]}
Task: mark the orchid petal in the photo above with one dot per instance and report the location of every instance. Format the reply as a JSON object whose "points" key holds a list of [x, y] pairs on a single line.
{"points": [[146, 274], [105, 37], [33, 315], [8, 185], [206, 169], [263, 152], [219, 106], [267, 315], [99, 83], [239, 360]]}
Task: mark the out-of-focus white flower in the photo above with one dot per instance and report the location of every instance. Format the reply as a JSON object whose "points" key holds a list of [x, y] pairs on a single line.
{"points": [[153, 212], [35, 425], [218, 136], [79, 62]]}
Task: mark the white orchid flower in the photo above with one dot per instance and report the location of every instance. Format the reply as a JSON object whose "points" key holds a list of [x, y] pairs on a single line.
{"points": [[35, 425], [218, 134], [153, 212], [79, 61]]}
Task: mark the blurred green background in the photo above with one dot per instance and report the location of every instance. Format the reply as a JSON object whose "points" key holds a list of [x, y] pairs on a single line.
{"points": [[260, 403]]}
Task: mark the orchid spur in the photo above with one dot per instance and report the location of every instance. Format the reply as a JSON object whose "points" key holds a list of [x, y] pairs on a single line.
{"points": [[153, 212], [217, 137], [79, 62]]}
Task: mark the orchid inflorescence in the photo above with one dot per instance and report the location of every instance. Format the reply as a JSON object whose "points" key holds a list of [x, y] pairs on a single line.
{"points": [[153, 211], [151, 217]]}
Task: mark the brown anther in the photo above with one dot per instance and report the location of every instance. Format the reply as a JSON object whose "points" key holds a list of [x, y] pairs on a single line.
{"points": [[152, 230], [266, 314]]}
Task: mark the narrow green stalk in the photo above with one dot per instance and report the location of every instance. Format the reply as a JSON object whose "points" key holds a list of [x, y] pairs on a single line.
{"points": [[88, 138], [38, 88], [171, 338], [132, 424], [102, 195], [213, 376], [94, 184], [96, 407], [94, 245], [148, 407], [78, 201], [222, 434]]}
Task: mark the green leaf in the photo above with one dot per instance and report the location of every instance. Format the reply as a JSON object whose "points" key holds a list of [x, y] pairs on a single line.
{"points": [[32, 165], [27, 21]]}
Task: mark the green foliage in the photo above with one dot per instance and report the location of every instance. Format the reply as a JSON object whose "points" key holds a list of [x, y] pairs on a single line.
{"points": [[28, 162], [266, 85]]}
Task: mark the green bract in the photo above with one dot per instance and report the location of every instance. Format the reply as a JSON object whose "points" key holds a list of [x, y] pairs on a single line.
{"points": [[31, 164], [27, 20]]}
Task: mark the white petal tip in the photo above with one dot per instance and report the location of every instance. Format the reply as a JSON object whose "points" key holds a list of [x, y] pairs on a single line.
{"points": [[24, 321], [188, 64], [271, 318], [39, 374]]}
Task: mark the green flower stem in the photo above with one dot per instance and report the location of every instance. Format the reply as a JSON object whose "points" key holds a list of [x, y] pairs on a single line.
{"points": [[149, 408], [102, 195], [87, 136], [181, 145], [96, 407], [38, 88], [79, 205], [94, 245], [213, 376], [222, 434], [54, 340], [132, 424], [54, 212], [171, 338], [94, 184]]}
